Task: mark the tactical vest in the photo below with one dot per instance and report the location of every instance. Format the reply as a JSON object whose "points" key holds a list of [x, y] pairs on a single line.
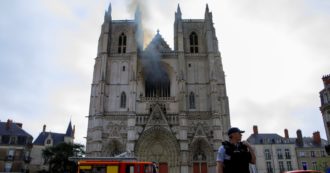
{"points": [[238, 160]]}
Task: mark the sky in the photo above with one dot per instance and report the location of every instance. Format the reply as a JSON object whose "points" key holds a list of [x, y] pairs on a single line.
{"points": [[274, 54]]}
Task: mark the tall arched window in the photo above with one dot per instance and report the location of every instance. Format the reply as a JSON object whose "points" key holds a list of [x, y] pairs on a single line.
{"points": [[192, 101], [193, 42], [123, 100], [157, 84], [122, 43]]}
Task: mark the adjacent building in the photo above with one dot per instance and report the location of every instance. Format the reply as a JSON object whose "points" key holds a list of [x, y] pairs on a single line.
{"points": [[274, 153], [311, 152], [163, 105], [15, 147], [48, 139]]}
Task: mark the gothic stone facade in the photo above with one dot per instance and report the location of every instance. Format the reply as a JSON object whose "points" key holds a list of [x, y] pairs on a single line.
{"points": [[325, 104], [163, 105]]}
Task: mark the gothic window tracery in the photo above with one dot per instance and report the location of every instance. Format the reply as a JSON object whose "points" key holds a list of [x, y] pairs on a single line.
{"points": [[193, 40], [122, 43], [192, 100], [123, 100], [157, 86]]}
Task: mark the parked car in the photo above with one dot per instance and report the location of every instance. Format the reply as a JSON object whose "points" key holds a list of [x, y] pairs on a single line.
{"points": [[303, 171]]}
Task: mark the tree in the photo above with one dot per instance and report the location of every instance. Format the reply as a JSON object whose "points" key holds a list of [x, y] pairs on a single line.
{"points": [[58, 156]]}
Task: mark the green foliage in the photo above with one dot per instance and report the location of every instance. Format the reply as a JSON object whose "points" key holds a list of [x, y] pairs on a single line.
{"points": [[57, 156]]}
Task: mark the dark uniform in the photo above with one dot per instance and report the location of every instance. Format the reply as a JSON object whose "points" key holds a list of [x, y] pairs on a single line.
{"points": [[237, 158]]}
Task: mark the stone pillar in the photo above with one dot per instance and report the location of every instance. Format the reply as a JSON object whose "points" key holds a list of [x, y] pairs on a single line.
{"points": [[184, 153], [131, 134]]}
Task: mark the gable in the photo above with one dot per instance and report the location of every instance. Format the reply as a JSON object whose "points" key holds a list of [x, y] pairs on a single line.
{"points": [[158, 44], [157, 118]]}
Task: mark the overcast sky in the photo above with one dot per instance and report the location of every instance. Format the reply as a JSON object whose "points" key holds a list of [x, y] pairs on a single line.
{"points": [[274, 54]]}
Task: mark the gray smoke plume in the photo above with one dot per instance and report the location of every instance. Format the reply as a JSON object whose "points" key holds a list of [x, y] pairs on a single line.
{"points": [[155, 74]]}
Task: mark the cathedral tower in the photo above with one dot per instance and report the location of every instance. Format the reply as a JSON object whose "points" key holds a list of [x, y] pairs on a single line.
{"points": [[325, 104], [163, 105]]}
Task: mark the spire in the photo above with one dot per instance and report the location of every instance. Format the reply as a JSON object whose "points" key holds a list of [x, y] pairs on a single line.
{"points": [[109, 9], [178, 9], [178, 13], [107, 14], [69, 130], [207, 8], [208, 15]]}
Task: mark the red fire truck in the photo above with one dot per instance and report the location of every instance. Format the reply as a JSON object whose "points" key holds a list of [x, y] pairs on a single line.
{"points": [[113, 165]]}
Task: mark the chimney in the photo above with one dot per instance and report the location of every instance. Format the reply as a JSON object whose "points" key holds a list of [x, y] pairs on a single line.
{"points": [[317, 138], [286, 134], [299, 140], [44, 128], [255, 129], [8, 124]]}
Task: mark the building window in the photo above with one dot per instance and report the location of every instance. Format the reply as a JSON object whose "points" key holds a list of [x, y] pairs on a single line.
{"points": [[312, 153], [267, 154], [269, 167], [302, 154], [122, 43], [289, 165], [314, 165], [193, 42], [48, 141], [322, 154], [192, 100], [304, 165], [287, 154], [21, 140], [157, 84], [281, 165], [27, 156], [123, 100], [12, 140], [8, 166], [10, 154], [5, 139], [279, 154]]}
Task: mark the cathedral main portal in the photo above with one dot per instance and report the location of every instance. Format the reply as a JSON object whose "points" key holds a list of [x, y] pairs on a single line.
{"points": [[158, 144]]}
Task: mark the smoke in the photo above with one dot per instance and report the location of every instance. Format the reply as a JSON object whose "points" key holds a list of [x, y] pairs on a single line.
{"points": [[145, 16], [152, 68], [154, 72]]}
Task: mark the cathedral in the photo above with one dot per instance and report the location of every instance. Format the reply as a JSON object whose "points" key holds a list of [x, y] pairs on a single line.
{"points": [[157, 103]]}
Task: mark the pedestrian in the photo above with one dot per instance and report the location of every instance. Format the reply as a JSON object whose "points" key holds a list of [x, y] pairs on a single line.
{"points": [[234, 156], [154, 167]]}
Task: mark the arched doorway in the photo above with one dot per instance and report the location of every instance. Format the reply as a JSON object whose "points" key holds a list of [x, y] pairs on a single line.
{"points": [[112, 148], [159, 145], [201, 155]]}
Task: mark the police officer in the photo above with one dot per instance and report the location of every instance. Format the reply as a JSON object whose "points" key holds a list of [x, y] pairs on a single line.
{"points": [[234, 156]]}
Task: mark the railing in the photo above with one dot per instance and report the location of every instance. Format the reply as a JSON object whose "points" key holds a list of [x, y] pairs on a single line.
{"points": [[171, 119], [157, 98]]}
